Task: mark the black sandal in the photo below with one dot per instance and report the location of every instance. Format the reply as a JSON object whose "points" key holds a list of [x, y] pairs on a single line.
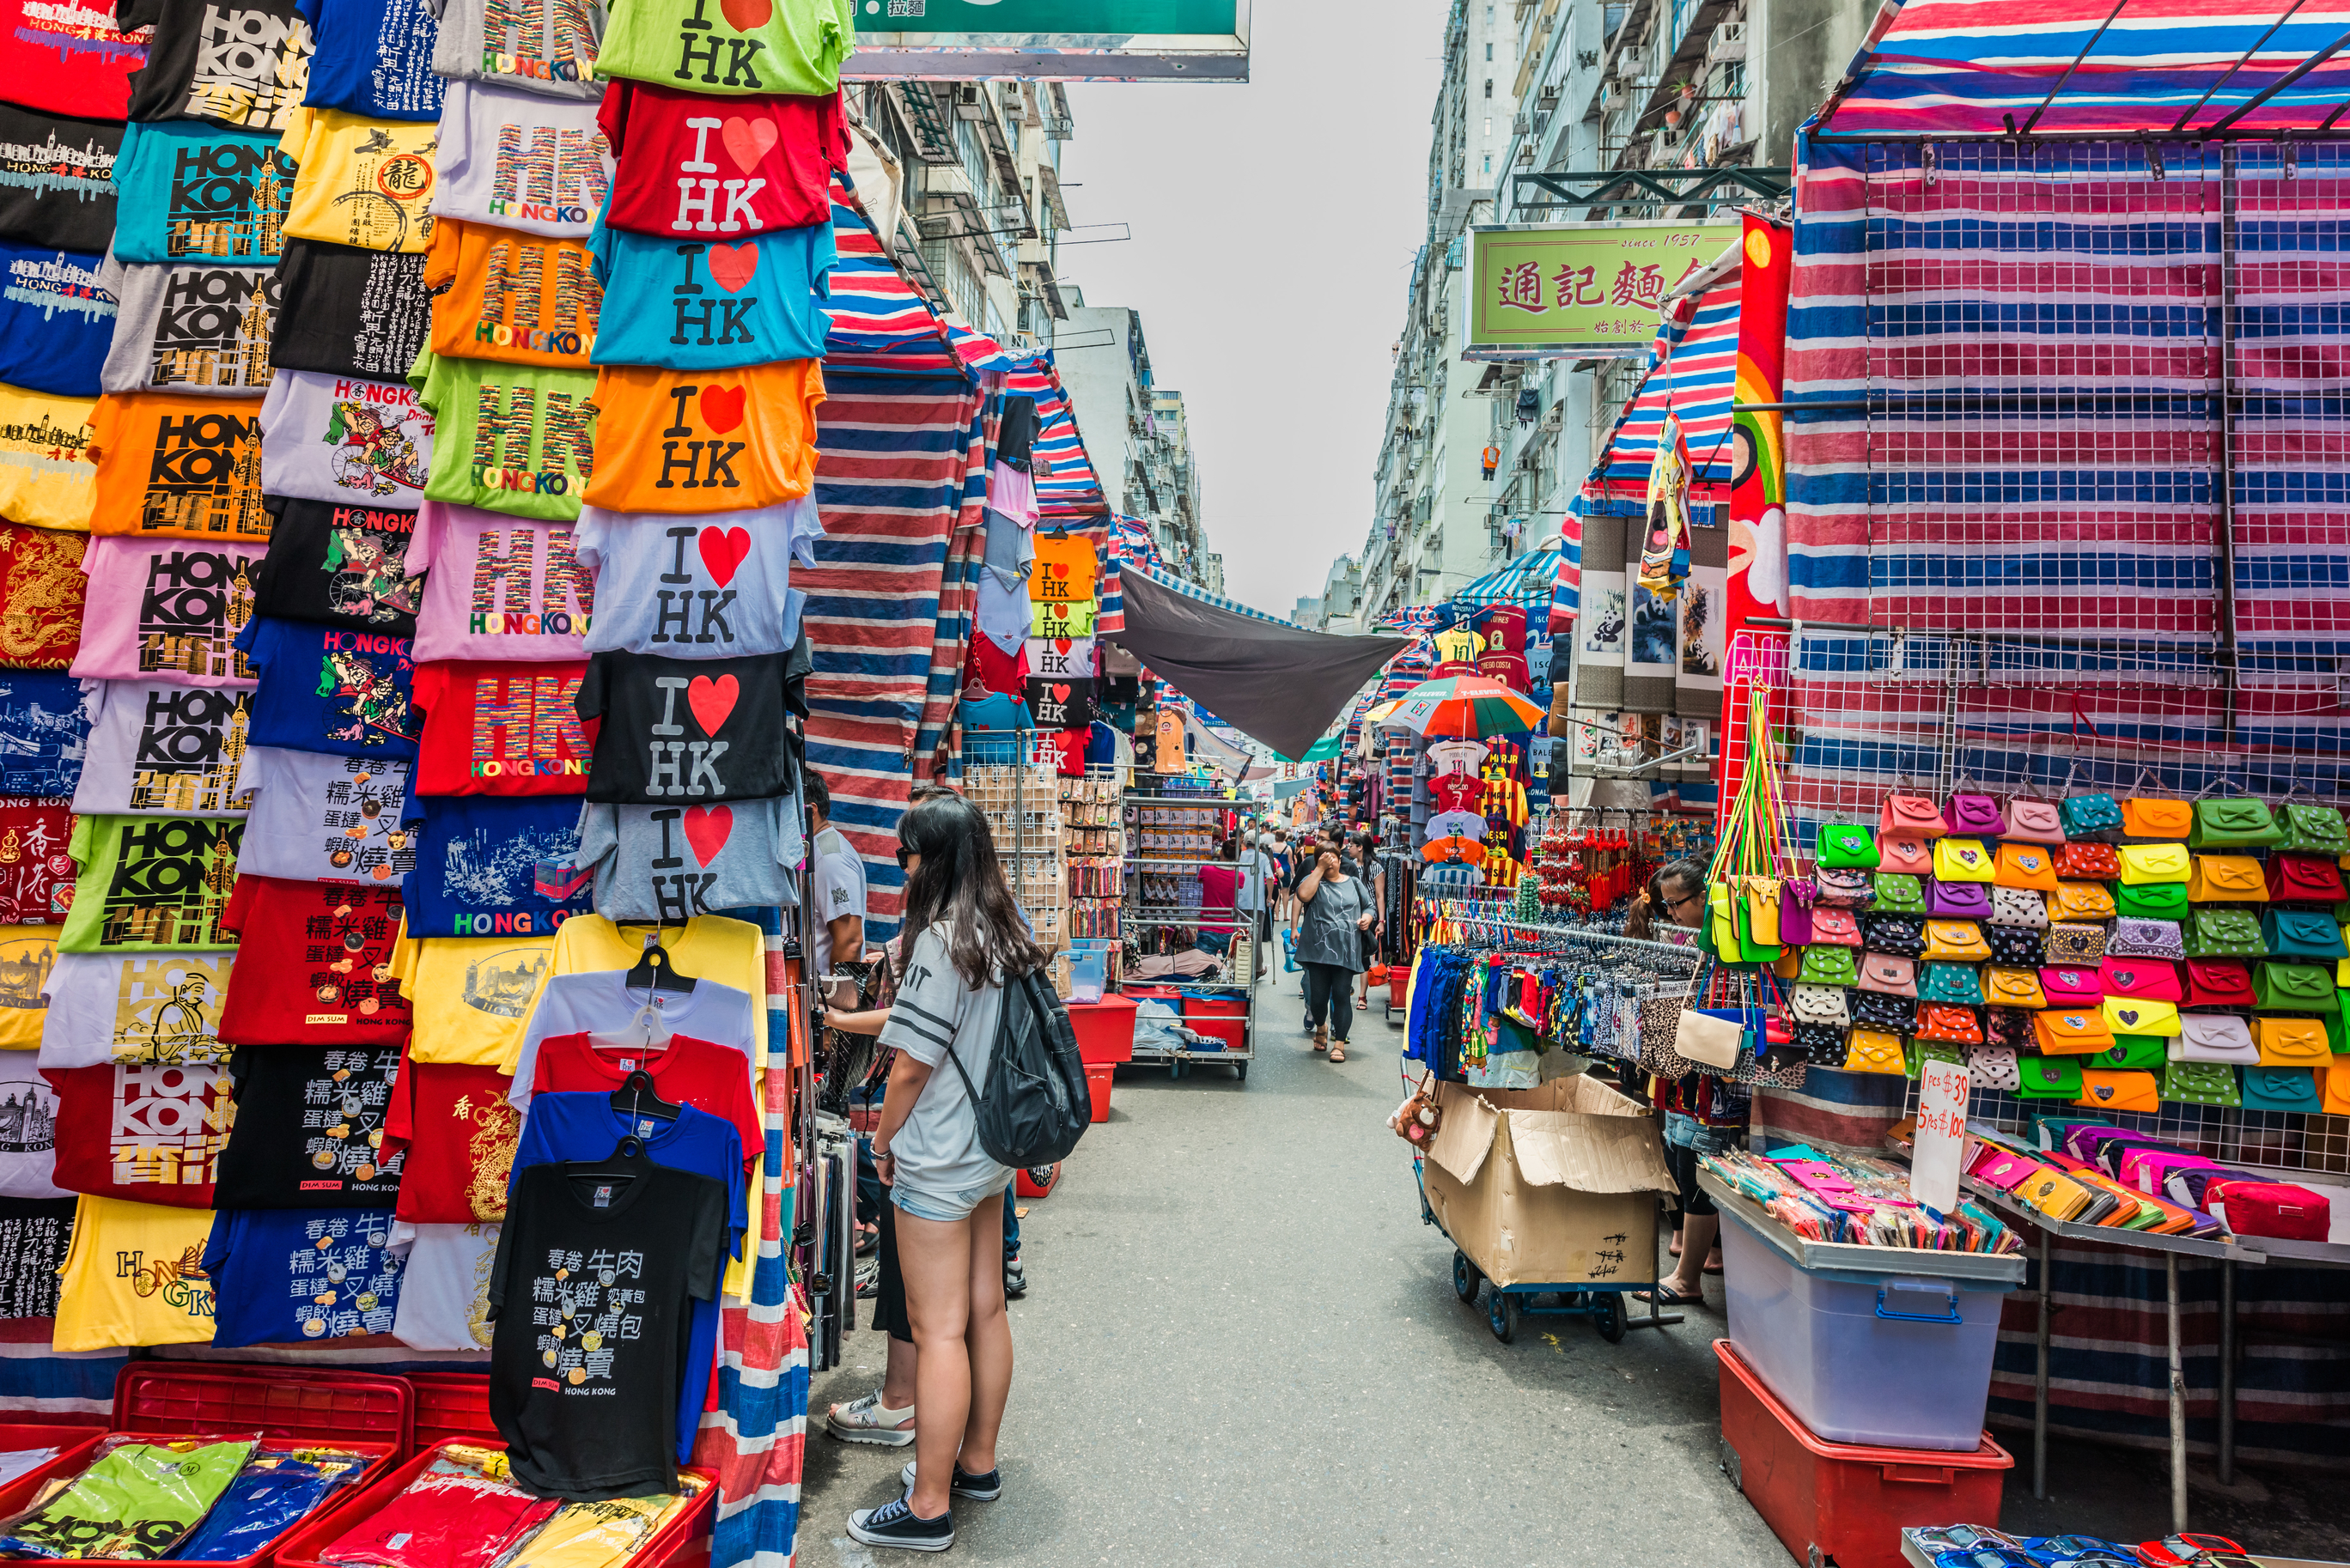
{"points": [[1666, 1296]]}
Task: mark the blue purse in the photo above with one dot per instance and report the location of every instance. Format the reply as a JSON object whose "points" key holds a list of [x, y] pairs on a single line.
{"points": [[2281, 1089], [2086, 816]]}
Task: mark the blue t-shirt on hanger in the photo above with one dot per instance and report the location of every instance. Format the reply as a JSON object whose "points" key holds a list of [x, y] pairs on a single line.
{"points": [[284, 1276], [330, 689]]}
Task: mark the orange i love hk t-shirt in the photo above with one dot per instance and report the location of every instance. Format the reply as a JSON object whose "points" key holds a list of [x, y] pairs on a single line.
{"points": [[704, 440]]}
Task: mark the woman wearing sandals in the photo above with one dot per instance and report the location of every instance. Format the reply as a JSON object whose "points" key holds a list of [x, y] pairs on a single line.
{"points": [[1336, 910]]}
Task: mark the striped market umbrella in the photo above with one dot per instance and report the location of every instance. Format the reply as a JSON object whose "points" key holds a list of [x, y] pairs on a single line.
{"points": [[1466, 705]]}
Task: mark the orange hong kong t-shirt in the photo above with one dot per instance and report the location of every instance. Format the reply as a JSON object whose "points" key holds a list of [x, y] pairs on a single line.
{"points": [[704, 440], [501, 294], [1065, 571], [172, 467]]}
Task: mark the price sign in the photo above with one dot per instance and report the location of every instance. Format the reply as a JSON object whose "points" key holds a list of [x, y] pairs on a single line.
{"points": [[1941, 1135]]}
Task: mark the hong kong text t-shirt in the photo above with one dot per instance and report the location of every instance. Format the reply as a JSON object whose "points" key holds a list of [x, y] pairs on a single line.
{"points": [[338, 437], [151, 882], [41, 585], [454, 1123], [46, 479], [348, 311], [498, 587], [147, 1132], [1055, 618], [373, 58], [363, 181], [193, 192], [340, 565], [521, 160], [56, 319], [516, 438], [324, 689], [697, 588], [242, 65], [788, 47], [672, 731], [56, 179], [497, 865], [544, 47], [670, 863], [322, 818], [708, 305], [286, 1276], [700, 442], [28, 955], [167, 609], [501, 294], [163, 749], [327, 980], [177, 467], [192, 327], [501, 729], [28, 1160], [310, 1131], [71, 60], [134, 1275], [1060, 704], [154, 1008], [694, 170], [37, 866]]}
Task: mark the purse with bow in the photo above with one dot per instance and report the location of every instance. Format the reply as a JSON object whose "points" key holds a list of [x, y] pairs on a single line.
{"points": [[2302, 934], [2090, 815], [1822, 1044], [1873, 1051], [2144, 938], [2305, 879], [2082, 901], [1898, 893], [2218, 982], [1922, 1050], [2316, 830], [2149, 816], [1958, 901], [2201, 1084], [1818, 1004], [2290, 1042], [2216, 1037], [1954, 941], [2155, 863], [2084, 862], [2025, 865], [2150, 979], [1950, 1024], [1901, 935], [2013, 988], [1888, 975], [2227, 880], [2216, 932], [1975, 815], [1951, 983], [2272, 1088], [2152, 900], [2020, 908], [1836, 928], [2279, 987], [1877, 1009], [1914, 815], [1827, 966], [2243, 823], [2030, 820], [1992, 1067]]}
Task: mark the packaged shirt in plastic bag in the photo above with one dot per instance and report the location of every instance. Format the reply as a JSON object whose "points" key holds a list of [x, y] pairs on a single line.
{"points": [[464, 1511], [269, 1496], [603, 1534], [137, 1500]]}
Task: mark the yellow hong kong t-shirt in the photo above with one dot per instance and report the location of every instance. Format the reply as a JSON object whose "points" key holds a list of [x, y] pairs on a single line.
{"points": [[1065, 571], [27, 953], [360, 181], [471, 996], [45, 477], [134, 1275]]}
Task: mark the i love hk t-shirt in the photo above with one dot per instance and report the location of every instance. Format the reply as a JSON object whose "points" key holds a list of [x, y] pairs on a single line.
{"points": [[501, 294], [517, 438], [501, 729], [669, 731], [498, 587], [338, 437], [705, 305], [365, 183], [697, 588], [177, 467], [521, 160], [700, 442], [670, 863], [691, 168], [167, 609], [197, 192], [723, 46]]}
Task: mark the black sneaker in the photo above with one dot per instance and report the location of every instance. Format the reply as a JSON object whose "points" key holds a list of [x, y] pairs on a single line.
{"points": [[979, 1488], [894, 1524], [1015, 1279]]}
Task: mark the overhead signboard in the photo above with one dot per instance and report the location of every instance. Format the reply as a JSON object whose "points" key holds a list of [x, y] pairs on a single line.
{"points": [[1051, 40], [1585, 291]]}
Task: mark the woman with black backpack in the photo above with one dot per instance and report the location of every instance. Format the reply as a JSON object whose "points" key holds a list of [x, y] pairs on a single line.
{"points": [[965, 938]]}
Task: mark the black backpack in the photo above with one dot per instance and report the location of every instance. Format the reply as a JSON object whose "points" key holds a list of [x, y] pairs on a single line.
{"points": [[1035, 1105]]}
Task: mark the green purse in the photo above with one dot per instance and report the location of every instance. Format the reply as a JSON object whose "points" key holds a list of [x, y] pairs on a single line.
{"points": [[2048, 1078], [2314, 830], [2200, 1084], [1952, 982], [1825, 965], [2151, 901], [2294, 987], [1922, 1052], [2134, 1054], [2213, 931], [1898, 893], [1842, 844], [2302, 934], [2241, 824]]}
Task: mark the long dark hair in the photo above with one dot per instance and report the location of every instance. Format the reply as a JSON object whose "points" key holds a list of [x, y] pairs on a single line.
{"points": [[1651, 908], [960, 881]]}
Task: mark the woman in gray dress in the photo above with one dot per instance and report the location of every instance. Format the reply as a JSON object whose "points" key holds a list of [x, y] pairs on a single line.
{"points": [[1336, 911]]}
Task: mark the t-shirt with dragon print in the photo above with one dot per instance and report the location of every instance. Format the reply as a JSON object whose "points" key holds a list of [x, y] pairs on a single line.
{"points": [[335, 565], [341, 438], [324, 689]]}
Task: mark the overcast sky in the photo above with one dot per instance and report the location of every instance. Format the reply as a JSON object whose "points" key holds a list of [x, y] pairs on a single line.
{"points": [[1274, 230]]}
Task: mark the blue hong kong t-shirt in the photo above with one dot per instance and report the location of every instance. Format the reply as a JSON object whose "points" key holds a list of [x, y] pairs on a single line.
{"points": [[44, 732], [330, 689], [282, 1276], [586, 1127], [496, 865], [191, 192], [56, 323], [702, 306], [373, 58]]}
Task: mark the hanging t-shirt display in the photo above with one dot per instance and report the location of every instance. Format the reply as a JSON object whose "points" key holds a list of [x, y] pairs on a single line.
{"points": [[56, 319], [373, 58], [166, 610], [57, 174], [455, 1136], [258, 1260], [705, 442], [29, 954], [134, 1275], [471, 996], [36, 1235], [516, 439], [149, 1132], [336, 437], [495, 865], [692, 170], [542, 46], [521, 160], [197, 192], [135, 1007], [325, 818], [994, 671], [45, 478], [498, 587], [71, 60], [327, 980], [501, 294], [173, 750], [590, 999], [1065, 570], [36, 871], [1061, 659], [363, 181], [328, 690], [192, 326], [158, 883], [41, 587], [673, 730], [28, 1130], [340, 565], [796, 48], [444, 1292], [177, 466], [669, 863], [709, 948], [501, 729], [1061, 704], [1056, 619], [704, 587], [686, 1070], [757, 300], [310, 1129], [347, 311], [590, 1295]]}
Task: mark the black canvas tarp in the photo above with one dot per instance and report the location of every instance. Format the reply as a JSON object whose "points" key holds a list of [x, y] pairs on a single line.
{"points": [[1278, 683]]}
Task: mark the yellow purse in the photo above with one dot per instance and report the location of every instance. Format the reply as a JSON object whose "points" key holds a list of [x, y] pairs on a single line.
{"points": [[2137, 1015], [2292, 1043], [1955, 941], [1761, 895], [2013, 988], [2144, 863], [2143, 816], [2228, 879], [1718, 900], [2337, 1089], [1963, 860], [2025, 865], [2054, 1193], [2111, 1091], [2082, 901], [1873, 1051]]}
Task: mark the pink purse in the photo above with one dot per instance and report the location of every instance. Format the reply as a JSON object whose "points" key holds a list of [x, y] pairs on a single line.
{"points": [[2149, 980], [2072, 987], [1908, 853], [1913, 815], [2031, 821], [1834, 928], [1889, 976]]}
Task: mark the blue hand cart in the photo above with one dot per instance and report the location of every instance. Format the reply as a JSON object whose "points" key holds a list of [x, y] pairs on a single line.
{"points": [[1601, 1301]]}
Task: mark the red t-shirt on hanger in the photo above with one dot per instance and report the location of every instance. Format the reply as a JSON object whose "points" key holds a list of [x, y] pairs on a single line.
{"points": [[686, 1072]]}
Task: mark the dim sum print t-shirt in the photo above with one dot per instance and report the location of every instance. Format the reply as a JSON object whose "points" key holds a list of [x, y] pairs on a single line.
{"points": [[340, 565], [338, 437], [310, 1129], [151, 883], [501, 729], [670, 863], [697, 588], [44, 734], [134, 1274], [56, 179], [135, 1007], [471, 996], [36, 871], [35, 1236], [495, 866], [71, 60], [708, 305], [673, 732], [166, 610], [545, 47], [516, 438], [197, 192], [163, 749], [521, 160], [362, 181], [56, 320], [148, 1132], [328, 980], [177, 467], [318, 818], [192, 327], [346, 311], [707, 47], [241, 66], [700, 441], [46, 476], [28, 955], [501, 294], [692, 170], [41, 585], [28, 1130], [284, 1276], [373, 58], [498, 587], [327, 689]]}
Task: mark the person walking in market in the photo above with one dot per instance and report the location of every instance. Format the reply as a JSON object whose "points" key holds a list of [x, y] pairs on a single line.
{"points": [[1374, 876], [1336, 916]]}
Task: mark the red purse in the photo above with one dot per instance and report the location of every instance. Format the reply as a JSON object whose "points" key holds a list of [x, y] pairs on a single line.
{"points": [[2147, 979], [2274, 1208], [2218, 982], [2305, 879], [2078, 862]]}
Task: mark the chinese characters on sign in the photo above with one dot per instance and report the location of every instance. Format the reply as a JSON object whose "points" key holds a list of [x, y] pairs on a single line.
{"points": [[1595, 289], [1941, 1135]]}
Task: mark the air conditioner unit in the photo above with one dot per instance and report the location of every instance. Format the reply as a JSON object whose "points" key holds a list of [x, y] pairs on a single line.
{"points": [[1728, 42], [1615, 99], [1521, 124], [1547, 101], [969, 103], [1554, 417]]}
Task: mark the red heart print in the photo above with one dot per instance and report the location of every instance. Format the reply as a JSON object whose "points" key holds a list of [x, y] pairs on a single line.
{"points": [[722, 407], [712, 701], [747, 140], [707, 828], [1060, 693], [723, 550], [743, 15], [1062, 644], [731, 267], [1060, 569]]}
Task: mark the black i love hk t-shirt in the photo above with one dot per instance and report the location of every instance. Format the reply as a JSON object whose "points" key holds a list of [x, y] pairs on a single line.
{"points": [[685, 729]]}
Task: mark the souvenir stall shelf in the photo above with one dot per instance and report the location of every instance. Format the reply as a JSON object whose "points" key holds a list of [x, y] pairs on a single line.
{"points": [[1023, 807], [1093, 845], [1188, 946]]}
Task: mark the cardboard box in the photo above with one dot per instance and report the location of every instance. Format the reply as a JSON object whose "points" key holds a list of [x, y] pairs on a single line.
{"points": [[1548, 1185]]}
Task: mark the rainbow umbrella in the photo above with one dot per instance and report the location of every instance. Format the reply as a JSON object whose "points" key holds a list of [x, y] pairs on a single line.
{"points": [[1466, 705]]}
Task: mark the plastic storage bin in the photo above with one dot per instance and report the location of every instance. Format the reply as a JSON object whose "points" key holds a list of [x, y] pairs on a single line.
{"points": [[75, 1438], [451, 1405], [1098, 1077], [1839, 1502], [1897, 1359]]}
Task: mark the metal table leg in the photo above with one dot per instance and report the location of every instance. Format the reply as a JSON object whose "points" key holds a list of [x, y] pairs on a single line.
{"points": [[2228, 1372], [2039, 1386], [2178, 1398]]}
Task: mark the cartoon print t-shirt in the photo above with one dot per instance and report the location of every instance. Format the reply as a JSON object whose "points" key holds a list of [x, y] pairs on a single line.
{"points": [[487, 864], [545, 47], [157, 882], [501, 729], [320, 818], [286, 1275], [471, 997], [46, 479], [498, 587], [310, 1129], [337, 437], [168, 610], [155, 747], [56, 177], [702, 441], [324, 689], [516, 438], [521, 160], [362, 181], [244, 65], [193, 192], [691, 169], [328, 979], [135, 1007], [698, 588], [347, 311], [502, 294], [177, 467], [340, 565], [56, 319], [149, 1132], [41, 585], [675, 732], [192, 327]]}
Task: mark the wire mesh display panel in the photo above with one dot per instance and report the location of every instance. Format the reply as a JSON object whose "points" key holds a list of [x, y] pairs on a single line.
{"points": [[2282, 1140]]}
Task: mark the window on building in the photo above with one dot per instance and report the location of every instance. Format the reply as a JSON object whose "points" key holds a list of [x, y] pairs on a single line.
{"points": [[1489, 51], [1489, 125], [1489, 86], [1488, 163]]}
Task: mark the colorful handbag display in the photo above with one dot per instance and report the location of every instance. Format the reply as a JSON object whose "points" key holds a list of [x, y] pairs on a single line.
{"points": [[2081, 901], [2155, 863], [2316, 830], [1841, 887], [2015, 947], [2069, 942], [2305, 879], [1963, 860], [2151, 980], [2217, 932], [1887, 974], [1873, 1051], [1898, 893], [2030, 820], [2132, 938], [1976, 815], [1836, 928], [2280, 986], [1949, 1024], [2147, 816], [2270, 1089], [2087, 816], [2105, 1090], [2137, 1015], [2084, 862], [1954, 941], [2025, 865], [2068, 987], [1922, 1050], [2060, 1033], [1822, 1044], [2013, 988], [1818, 1004], [1958, 901], [2228, 879], [1914, 815], [1951, 983], [2302, 934], [2218, 982], [1906, 853], [2200, 1084], [1901, 935], [1844, 844], [2048, 1078], [2134, 1054], [2020, 908], [1991, 1068], [1827, 966], [1878, 1010], [2152, 900], [2216, 1037], [2007, 1026], [2292, 1043], [2242, 822], [1795, 896]]}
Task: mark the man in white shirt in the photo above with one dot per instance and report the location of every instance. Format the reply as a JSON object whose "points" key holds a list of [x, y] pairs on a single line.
{"points": [[839, 924]]}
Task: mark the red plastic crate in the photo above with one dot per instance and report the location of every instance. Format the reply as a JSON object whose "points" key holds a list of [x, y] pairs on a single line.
{"points": [[1105, 1029], [75, 1437], [1213, 1007], [1233, 1031], [452, 1405], [1098, 1078], [1842, 1501]]}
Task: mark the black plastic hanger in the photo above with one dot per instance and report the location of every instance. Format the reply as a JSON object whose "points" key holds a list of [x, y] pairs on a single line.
{"points": [[635, 1098], [656, 969]]}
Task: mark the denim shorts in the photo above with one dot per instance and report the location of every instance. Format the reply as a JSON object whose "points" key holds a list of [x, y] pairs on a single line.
{"points": [[945, 1208]]}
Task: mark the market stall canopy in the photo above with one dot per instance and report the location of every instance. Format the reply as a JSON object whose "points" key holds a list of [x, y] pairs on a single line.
{"points": [[1322, 751], [1267, 679], [1524, 581], [1463, 705]]}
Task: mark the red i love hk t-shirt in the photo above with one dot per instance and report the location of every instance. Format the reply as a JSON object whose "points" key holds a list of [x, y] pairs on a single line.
{"points": [[501, 729], [691, 167]]}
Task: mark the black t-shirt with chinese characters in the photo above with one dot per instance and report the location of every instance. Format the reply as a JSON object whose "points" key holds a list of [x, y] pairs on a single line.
{"points": [[590, 1293], [34, 1235], [347, 311], [57, 180], [687, 730], [333, 565], [310, 1129], [241, 64]]}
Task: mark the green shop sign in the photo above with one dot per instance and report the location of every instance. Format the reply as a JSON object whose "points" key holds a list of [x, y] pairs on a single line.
{"points": [[1583, 290], [1066, 40]]}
